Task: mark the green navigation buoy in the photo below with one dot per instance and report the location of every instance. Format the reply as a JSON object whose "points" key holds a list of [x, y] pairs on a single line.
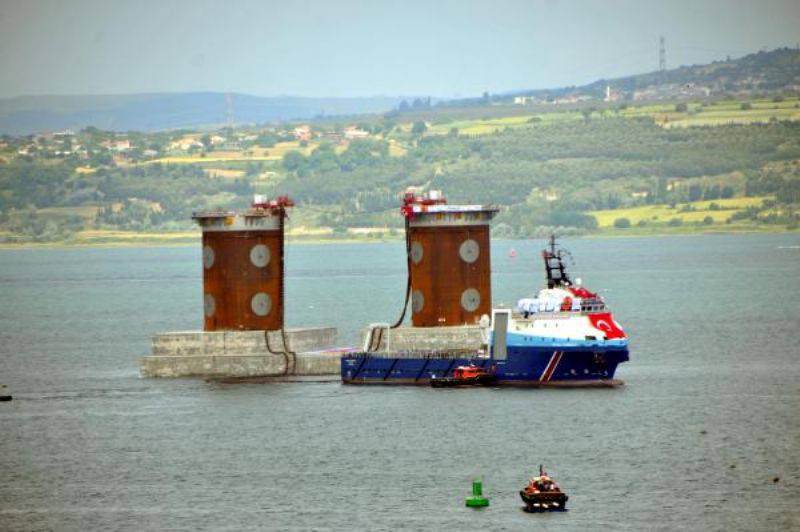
{"points": [[477, 500]]}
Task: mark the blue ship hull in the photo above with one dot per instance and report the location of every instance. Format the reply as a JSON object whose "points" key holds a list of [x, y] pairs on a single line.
{"points": [[523, 366]]}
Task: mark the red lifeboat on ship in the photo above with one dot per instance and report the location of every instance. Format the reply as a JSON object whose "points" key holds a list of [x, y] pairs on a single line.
{"points": [[471, 375]]}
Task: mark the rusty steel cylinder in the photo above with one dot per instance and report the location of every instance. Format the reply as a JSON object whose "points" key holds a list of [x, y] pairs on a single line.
{"points": [[242, 270], [450, 265]]}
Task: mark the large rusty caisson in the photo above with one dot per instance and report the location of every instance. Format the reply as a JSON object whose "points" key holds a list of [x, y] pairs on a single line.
{"points": [[243, 267], [449, 260]]}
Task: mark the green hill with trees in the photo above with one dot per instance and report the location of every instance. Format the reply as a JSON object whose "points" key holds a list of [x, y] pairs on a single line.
{"points": [[692, 164]]}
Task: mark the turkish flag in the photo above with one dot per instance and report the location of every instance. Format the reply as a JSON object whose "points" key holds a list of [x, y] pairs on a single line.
{"points": [[604, 322]]}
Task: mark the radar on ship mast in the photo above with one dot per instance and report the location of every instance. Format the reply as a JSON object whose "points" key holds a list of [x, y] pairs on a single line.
{"points": [[555, 268]]}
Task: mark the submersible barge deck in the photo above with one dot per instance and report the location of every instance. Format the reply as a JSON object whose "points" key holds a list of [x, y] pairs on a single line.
{"points": [[516, 360]]}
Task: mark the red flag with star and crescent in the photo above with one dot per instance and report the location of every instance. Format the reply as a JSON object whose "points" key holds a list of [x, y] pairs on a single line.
{"points": [[604, 322]]}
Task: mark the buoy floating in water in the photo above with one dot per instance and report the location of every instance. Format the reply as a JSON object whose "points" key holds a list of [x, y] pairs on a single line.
{"points": [[477, 500], [5, 395]]}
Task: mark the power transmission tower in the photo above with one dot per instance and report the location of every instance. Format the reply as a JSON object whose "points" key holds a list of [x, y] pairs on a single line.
{"points": [[662, 55]]}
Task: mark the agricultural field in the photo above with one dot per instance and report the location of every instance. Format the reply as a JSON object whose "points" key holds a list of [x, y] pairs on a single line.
{"points": [[697, 114], [490, 125], [719, 112], [275, 153], [256, 154], [395, 149], [194, 159], [86, 212], [662, 214], [226, 173], [100, 236]]}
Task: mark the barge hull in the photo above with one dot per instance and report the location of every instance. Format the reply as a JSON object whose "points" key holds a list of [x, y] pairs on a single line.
{"points": [[525, 367], [607, 383]]}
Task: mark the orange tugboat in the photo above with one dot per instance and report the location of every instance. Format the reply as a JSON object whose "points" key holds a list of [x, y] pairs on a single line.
{"points": [[465, 376], [542, 494]]}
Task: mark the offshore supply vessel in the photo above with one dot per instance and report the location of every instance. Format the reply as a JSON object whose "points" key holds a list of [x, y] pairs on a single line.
{"points": [[565, 336]]}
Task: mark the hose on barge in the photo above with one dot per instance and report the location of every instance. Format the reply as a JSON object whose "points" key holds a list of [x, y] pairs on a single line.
{"points": [[408, 279], [289, 356], [375, 343]]}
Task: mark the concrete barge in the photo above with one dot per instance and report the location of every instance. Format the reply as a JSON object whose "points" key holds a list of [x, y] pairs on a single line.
{"points": [[244, 355], [309, 352]]}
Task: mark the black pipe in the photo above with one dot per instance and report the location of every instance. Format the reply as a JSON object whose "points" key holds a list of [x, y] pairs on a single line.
{"points": [[408, 279], [286, 351]]}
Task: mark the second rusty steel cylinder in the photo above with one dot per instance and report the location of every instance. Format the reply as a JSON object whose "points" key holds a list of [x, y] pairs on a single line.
{"points": [[449, 259], [243, 269]]}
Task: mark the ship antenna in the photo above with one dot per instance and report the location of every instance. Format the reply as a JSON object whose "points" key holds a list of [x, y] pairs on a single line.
{"points": [[554, 265]]}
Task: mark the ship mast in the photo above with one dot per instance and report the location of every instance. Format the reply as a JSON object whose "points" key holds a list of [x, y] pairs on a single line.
{"points": [[554, 265]]}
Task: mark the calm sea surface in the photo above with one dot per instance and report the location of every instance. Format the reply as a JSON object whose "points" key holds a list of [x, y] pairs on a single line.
{"points": [[709, 417]]}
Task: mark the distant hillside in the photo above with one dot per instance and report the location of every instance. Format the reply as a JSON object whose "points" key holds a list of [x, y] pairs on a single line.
{"points": [[149, 112], [763, 71], [770, 71]]}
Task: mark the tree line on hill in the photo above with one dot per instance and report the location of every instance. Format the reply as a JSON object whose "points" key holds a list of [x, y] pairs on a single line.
{"points": [[552, 175], [757, 73], [542, 176]]}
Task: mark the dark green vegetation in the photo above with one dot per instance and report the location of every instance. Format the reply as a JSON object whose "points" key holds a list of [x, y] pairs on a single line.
{"points": [[543, 177], [550, 176]]}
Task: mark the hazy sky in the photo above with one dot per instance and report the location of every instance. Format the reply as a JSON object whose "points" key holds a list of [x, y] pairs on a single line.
{"points": [[361, 48]]}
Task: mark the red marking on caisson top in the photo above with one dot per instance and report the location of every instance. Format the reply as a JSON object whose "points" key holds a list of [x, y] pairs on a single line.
{"points": [[551, 366]]}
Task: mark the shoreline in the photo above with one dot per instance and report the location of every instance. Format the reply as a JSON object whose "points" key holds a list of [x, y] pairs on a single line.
{"points": [[140, 240]]}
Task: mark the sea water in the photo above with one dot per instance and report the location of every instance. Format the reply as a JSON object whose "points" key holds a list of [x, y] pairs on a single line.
{"points": [[705, 435]]}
